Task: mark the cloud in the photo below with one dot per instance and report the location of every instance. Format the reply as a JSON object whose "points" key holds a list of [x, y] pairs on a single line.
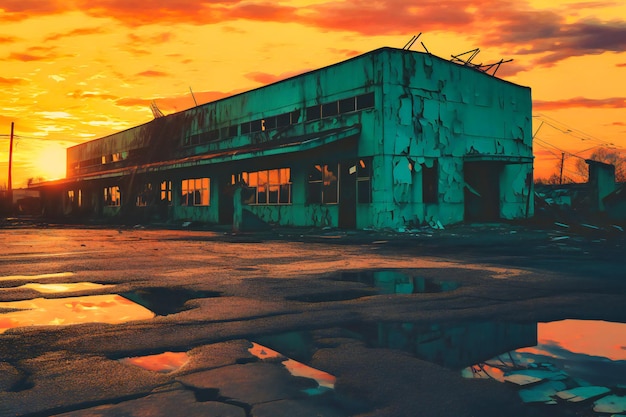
{"points": [[11, 81], [24, 57], [152, 73], [80, 94], [54, 115], [177, 103], [618, 124], [612, 103], [267, 78], [75, 32], [623, 64], [8, 39], [545, 36]]}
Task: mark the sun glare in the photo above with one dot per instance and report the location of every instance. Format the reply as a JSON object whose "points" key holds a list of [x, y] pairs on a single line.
{"points": [[50, 162]]}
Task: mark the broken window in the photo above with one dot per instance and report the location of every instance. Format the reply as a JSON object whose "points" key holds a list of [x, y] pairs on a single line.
{"points": [[79, 199], [195, 192], [112, 197], [144, 198], [70, 196], [430, 183], [323, 184], [245, 128], [295, 116], [365, 101], [283, 120], [267, 187], [269, 123], [364, 181], [166, 192]]}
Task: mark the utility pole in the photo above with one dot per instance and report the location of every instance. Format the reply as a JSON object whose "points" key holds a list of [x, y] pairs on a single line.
{"points": [[562, 162], [10, 185]]}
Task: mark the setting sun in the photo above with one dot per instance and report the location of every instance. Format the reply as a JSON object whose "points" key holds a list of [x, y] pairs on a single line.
{"points": [[50, 162]]}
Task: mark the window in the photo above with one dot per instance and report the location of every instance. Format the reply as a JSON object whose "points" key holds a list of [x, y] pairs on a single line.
{"points": [[112, 197], [347, 105], [256, 125], [145, 196], [166, 192], [430, 181], [365, 101], [283, 120], [330, 109], [195, 192], [323, 184], [363, 181], [267, 187], [313, 112]]}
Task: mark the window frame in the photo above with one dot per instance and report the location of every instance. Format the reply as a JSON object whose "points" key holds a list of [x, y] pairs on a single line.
{"points": [[197, 191]]}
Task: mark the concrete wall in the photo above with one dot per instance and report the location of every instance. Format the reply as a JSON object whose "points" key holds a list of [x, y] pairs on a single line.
{"points": [[436, 110], [428, 113]]}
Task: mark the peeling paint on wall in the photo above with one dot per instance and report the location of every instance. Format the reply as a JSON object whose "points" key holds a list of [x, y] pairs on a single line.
{"points": [[429, 114]]}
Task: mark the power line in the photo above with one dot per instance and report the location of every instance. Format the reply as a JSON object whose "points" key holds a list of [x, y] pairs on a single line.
{"points": [[572, 131]]}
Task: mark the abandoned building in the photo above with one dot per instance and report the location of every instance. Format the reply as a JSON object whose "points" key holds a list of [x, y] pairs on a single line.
{"points": [[391, 138]]}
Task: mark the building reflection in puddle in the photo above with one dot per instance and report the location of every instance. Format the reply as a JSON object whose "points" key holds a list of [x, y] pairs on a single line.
{"points": [[109, 308], [324, 380], [574, 361], [454, 345], [397, 282], [163, 362]]}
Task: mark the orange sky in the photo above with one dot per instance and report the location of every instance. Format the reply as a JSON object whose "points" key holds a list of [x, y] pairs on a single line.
{"points": [[78, 70]]}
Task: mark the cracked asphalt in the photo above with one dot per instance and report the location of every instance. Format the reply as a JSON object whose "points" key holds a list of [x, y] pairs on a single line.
{"points": [[298, 292]]}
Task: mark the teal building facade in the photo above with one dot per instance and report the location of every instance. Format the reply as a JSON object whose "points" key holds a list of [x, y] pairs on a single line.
{"points": [[388, 139]]}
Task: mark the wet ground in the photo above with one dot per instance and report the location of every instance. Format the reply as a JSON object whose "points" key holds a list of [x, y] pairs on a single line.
{"points": [[476, 320]]}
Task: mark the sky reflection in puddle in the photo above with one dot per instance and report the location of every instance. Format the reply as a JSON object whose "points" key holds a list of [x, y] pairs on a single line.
{"points": [[163, 362], [574, 361], [109, 308], [61, 287], [325, 380], [32, 277]]}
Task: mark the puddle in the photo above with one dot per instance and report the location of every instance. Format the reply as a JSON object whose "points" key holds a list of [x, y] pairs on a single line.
{"points": [[397, 282], [454, 346], [578, 363], [58, 288], [110, 308], [325, 381], [163, 362], [164, 301]]}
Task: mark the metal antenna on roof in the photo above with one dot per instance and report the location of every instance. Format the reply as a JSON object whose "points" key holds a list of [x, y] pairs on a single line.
{"points": [[156, 112], [425, 48], [194, 97], [410, 43], [480, 67], [468, 61]]}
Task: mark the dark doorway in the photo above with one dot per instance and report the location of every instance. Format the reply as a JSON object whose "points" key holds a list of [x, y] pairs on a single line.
{"points": [[482, 191], [347, 195], [225, 201]]}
